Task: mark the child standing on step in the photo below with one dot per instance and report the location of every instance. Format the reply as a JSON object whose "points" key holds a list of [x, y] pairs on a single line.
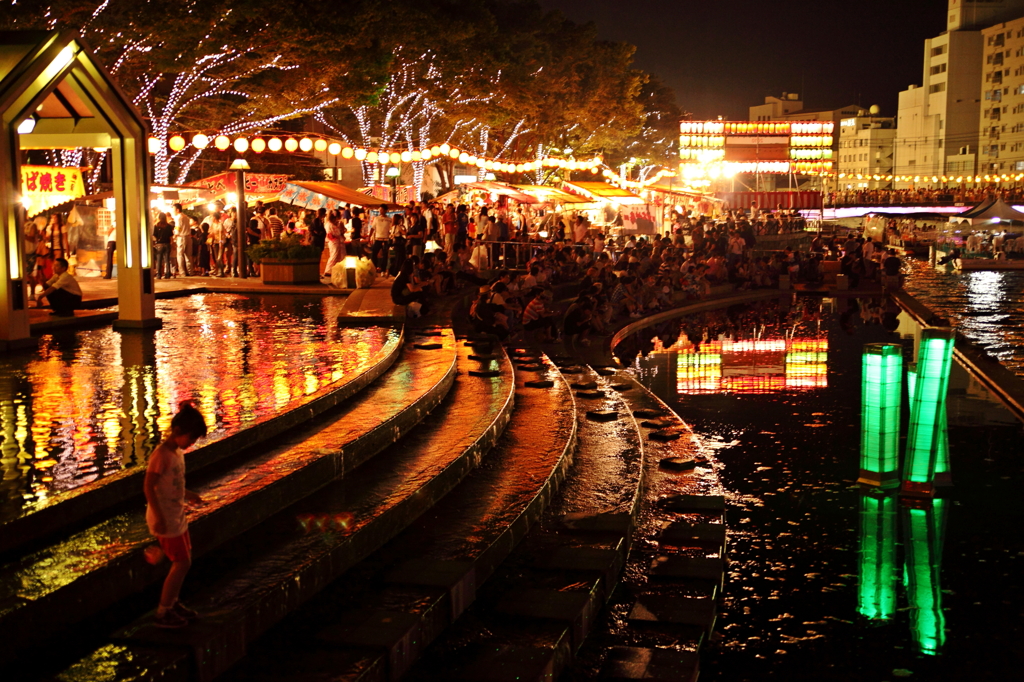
{"points": [[165, 513]]}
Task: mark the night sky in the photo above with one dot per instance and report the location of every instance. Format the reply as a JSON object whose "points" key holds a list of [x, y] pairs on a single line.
{"points": [[722, 56]]}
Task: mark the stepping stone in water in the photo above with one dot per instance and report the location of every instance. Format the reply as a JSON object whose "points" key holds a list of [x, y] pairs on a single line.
{"points": [[585, 386], [660, 423], [689, 568], [429, 333], [693, 503], [427, 346], [542, 383], [483, 358], [648, 414], [484, 373], [621, 387], [654, 665], [602, 415], [604, 371], [674, 610], [531, 368], [677, 464], [664, 435], [684, 534], [590, 395], [570, 370]]}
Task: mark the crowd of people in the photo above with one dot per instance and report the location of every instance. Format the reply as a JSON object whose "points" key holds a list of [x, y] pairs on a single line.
{"points": [[921, 196]]}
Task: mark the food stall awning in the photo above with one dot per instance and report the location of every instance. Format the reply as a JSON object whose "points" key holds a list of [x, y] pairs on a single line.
{"points": [[552, 195], [258, 187], [682, 191], [602, 191], [325, 195], [46, 187], [504, 190]]}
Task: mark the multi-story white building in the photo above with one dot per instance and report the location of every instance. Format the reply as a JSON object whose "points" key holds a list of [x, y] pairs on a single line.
{"points": [[938, 122], [865, 150], [1001, 133]]}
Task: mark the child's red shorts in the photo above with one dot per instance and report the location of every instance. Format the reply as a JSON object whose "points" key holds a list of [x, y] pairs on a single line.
{"points": [[178, 548]]}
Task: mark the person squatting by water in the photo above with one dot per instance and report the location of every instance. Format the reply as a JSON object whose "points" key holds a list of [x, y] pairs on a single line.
{"points": [[166, 498]]}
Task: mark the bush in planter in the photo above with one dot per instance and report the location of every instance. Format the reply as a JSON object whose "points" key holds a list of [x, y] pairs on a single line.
{"points": [[287, 247]]}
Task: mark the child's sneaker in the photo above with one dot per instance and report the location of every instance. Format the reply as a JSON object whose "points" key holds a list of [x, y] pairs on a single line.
{"points": [[184, 611], [170, 619], [153, 554]]}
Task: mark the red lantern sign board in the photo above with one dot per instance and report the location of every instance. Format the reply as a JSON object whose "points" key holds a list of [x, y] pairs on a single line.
{"points": [[43, 187], [262, 186]]}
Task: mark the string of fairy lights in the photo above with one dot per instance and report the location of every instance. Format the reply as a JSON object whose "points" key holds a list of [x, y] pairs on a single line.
{"points": [[426, 153]]}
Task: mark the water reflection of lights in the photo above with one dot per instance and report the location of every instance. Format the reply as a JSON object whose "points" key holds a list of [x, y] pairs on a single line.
{"points": [[752, 366], [90, 402]]}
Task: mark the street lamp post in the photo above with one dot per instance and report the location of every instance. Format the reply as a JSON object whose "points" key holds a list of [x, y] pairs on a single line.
{"points": [[393, 173], [240, 166]]}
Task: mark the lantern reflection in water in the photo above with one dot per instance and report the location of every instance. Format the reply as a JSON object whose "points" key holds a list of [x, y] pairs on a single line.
{"points": [[752, 366], [89, 403]]}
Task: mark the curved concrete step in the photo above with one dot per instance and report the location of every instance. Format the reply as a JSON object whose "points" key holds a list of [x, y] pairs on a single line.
{"points": [[363, 511], [74, 578], [542, 603], [72, 507], [374, 624]]}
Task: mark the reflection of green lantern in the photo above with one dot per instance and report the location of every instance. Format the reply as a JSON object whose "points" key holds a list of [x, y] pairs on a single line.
{"points": [[927, 408], [881, 390], [923, 528], [877, 594]]}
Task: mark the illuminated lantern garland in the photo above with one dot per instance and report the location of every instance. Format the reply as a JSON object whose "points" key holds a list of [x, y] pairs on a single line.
{"points": [[258, 145]]}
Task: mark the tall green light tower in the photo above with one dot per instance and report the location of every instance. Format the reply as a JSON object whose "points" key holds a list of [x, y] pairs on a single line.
{"points": [[927, 410], [881, 392]]}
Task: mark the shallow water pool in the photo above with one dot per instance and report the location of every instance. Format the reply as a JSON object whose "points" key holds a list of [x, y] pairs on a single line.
{"points": [[826, 580], [90, 402]]}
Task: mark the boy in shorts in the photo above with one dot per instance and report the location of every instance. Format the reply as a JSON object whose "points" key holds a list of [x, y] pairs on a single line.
{"points": [[165, 512]]}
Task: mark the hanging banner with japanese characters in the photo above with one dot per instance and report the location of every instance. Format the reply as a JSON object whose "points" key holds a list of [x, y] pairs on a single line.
{"points": [[43, 187]]}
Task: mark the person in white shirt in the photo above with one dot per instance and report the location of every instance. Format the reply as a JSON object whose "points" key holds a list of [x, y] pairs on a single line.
{"points": [[62, 292], [380, 231], [183, 241]]}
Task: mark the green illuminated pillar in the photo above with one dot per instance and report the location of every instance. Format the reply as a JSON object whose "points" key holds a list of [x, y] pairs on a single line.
{"points": [[927, 409], [923, 526], [943, 475], [876, 598], [881, 390]]}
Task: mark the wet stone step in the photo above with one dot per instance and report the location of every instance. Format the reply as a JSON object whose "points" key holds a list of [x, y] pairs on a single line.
{"points": [[540, 383], [648, 414], [653, 665], [660, 423], [570, 370], [665, 434], [506, 663], [689, 568], [484, 358], [602, 415], [427, 346], [621, 387], [584, 385], [693, 503], [683, 534], [674, 610], [677, 464], [590, 395], [606, 561], [616, 523], [577, 608], [604, 371]]}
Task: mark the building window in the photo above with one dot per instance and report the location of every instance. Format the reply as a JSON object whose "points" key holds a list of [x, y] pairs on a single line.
{"points": [[937, 87], [939, 68], [941, 49]]}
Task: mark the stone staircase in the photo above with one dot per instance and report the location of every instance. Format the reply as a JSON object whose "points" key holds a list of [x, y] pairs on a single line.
{"points": [[456, 512]]}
